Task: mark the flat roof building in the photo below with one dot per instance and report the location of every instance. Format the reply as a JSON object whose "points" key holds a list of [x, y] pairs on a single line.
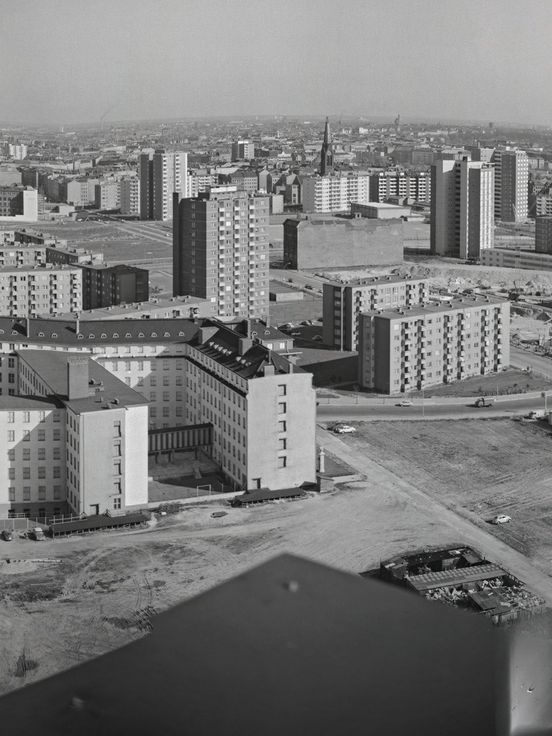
{"points": [[407, 349], [379, 210]]}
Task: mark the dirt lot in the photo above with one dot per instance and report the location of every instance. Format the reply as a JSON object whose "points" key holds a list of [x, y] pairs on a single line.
{"points": [[108, 586], [479, 467], [512, 381]]}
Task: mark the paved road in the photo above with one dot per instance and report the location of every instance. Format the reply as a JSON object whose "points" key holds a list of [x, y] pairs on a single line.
{"points": [[524, 358], [467, 525], [367, 412]]}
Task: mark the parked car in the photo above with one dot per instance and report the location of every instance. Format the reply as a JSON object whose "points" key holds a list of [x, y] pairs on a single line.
{"points": [[343, 429], [6, 535], [37, 533], [501, 519], [405, 402]]}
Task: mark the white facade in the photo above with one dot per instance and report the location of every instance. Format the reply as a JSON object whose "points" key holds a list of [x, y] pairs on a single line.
{"points": [[511, 185], [334, 193], [170, 175], [462, 208], [130, 195]]}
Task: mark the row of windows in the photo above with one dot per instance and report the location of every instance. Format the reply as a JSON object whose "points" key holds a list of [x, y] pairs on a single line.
{"points": [[41, 472], [40, 435], [41, 493]]}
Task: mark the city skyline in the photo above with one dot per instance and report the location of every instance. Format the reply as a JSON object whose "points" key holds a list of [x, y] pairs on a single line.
{"points": [[126, 61]]}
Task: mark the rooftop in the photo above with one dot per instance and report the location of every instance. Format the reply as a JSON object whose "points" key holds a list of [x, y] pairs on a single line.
{"points": [[467, 302], [105, 389]]}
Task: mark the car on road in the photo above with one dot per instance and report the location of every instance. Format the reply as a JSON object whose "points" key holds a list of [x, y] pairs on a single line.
{"points": [[483, 402], [6, 535], [343, 429], [404, 402], [501, 519]]}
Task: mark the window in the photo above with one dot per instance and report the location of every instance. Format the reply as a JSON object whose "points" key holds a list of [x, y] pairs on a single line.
{"points": [[26, 416], [11, 492], [26, 453], [153, 396], [57, 493], [57, 453], [41, 453], [282, 444], [153, 412], [153, 380], [57, 471], [41, 493], [117, 449], [56, 416], [282, 408], [11, 417], [166, 380], [117, 486], [11, 473], [117, 468], [11, 435], [41, 435], [166, 396], [117, 428], [11, 454], [282, 389], [282, 462], [41, 471], [166, 411], [26, 493], [26, 473], [57, 434], [116, 503], [178, 395], [26, 435]]}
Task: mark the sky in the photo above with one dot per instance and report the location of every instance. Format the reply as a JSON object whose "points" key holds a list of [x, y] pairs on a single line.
{"points": [[72, 61]]}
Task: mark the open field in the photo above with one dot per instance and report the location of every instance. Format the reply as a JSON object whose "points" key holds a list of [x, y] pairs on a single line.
{"points": [[310, 307], [511, 381], [478, 467], [121, 242], [108, 585]]}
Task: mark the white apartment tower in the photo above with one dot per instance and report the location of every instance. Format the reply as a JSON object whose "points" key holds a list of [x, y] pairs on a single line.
{"points": [[462, 208], [161, 175], [220, 251], [334, 193], [511, 184]]}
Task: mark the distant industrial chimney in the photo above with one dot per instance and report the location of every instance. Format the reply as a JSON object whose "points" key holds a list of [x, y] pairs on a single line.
{"points": [[77, 378]]}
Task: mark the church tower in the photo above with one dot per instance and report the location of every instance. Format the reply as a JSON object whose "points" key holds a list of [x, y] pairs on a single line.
{"points": [[326, 154]]}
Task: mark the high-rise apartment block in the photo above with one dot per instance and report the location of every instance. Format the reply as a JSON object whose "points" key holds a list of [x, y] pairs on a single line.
{"points": [[108, 194], [410, 348], [243, 150], [162, 174], [220, 251], [385, 185], [29, 291], [543, 234], [19, 203], [343, 305], [334, 193], [462, 208], [130, 195], [511, 184]]}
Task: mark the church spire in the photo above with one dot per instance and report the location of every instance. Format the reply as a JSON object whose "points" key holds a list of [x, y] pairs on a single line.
{"points": [[326, 153]]}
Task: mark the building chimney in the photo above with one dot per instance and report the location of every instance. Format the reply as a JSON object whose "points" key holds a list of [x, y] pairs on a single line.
{"points": [[77, 378]]}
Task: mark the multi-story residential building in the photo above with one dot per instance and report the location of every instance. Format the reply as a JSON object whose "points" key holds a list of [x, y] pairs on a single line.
{"points": [[543, 234], [161, 174], [462, 208], [245, 180], [81, 192], [28, 291], [405, 349], [17, 151], [18, 203], [343, 304], [201, 180], [515, 258], [155, 308], [387, 184], [104, 285], [91, 385], [130, 195], [220, 251], [243, 150], [108, 194], [25, 248], [511, 184], [334, 192]]}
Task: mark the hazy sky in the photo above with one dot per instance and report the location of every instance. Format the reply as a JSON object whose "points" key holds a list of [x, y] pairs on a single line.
{"points": [[64, 61]]}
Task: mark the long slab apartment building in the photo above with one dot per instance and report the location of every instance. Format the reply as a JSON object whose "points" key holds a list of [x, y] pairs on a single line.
{"points": [[344, 303], [74, 392], [405, 349]]}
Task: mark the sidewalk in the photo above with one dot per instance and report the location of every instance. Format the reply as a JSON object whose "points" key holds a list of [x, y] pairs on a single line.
{"points": [[358, 399]]}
